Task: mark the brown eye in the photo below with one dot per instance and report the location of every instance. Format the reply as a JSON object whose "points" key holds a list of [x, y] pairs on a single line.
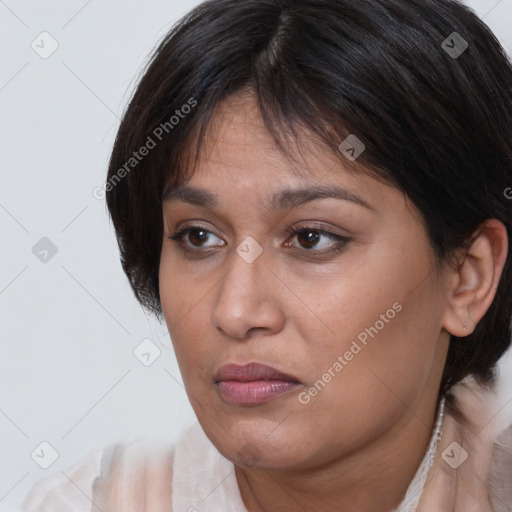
{"points": [[310, 239], [195, 235]]}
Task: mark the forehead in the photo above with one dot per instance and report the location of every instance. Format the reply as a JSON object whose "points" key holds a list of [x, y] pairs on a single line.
{"points": [[238, 145], [240, 164], [240, 167]]}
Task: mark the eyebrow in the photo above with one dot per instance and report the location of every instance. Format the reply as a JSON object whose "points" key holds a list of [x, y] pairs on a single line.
{"points": [[288, 198]]}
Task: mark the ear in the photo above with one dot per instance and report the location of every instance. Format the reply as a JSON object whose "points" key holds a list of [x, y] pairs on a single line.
{"points": [[473, 285]]}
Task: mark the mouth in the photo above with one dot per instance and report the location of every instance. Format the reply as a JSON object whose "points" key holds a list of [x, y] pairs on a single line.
{"points": [[252, 384]]}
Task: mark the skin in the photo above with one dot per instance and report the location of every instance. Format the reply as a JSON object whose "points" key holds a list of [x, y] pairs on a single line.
{"points": [[369, 427]]}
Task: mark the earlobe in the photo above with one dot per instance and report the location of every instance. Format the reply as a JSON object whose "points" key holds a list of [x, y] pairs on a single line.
{"points": [[475, 281]]}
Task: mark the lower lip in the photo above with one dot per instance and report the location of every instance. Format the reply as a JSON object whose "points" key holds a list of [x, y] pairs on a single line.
{"points": [[254, 392]]}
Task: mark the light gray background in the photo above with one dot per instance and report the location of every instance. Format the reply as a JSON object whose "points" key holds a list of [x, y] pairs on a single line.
{"points": [[69, 326]]}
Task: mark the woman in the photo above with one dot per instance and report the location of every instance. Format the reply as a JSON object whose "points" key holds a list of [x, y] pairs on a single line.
{"points": [[313, 195]]}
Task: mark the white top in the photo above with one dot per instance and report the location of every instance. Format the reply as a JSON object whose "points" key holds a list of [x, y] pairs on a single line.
{"points": [[201, 478]]}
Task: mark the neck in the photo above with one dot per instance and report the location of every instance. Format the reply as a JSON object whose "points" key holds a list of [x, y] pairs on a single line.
{"points": [[372, 478]]}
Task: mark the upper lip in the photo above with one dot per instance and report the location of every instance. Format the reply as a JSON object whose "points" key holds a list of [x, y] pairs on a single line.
{"points": [[251, 372]]}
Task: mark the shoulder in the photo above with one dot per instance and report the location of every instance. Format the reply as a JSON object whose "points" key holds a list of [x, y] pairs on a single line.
{"points": [[117, 476], [500, 481], [487, 427], [69, 489], [472, 465], [136, 476]]}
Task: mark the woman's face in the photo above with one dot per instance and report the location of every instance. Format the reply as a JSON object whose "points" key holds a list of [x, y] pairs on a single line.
{"points": [[353, 317]]}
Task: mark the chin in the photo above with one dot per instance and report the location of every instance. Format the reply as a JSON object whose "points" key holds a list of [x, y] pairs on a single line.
{"points": [[257, 444]]}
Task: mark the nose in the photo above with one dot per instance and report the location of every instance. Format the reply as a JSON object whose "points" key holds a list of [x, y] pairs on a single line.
{"points": [[248, 298]]}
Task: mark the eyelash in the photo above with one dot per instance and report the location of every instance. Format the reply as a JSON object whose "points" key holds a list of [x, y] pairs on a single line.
{"points": [[342, 241]]}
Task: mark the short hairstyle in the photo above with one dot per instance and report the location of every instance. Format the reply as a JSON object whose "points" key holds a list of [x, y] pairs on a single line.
{"points": [[435, 124]]}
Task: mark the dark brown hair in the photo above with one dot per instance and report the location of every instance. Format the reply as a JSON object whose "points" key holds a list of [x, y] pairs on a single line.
{"points": [[435, 124]]}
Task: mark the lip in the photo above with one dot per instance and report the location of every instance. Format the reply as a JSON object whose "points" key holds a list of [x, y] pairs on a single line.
{"points": [[251, 372], [253, 383]]}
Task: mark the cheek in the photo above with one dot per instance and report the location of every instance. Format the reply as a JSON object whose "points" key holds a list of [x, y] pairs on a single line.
{"points": [[379, 362], [182, 290], [366, 391], [183, 306], [382, 318]]}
